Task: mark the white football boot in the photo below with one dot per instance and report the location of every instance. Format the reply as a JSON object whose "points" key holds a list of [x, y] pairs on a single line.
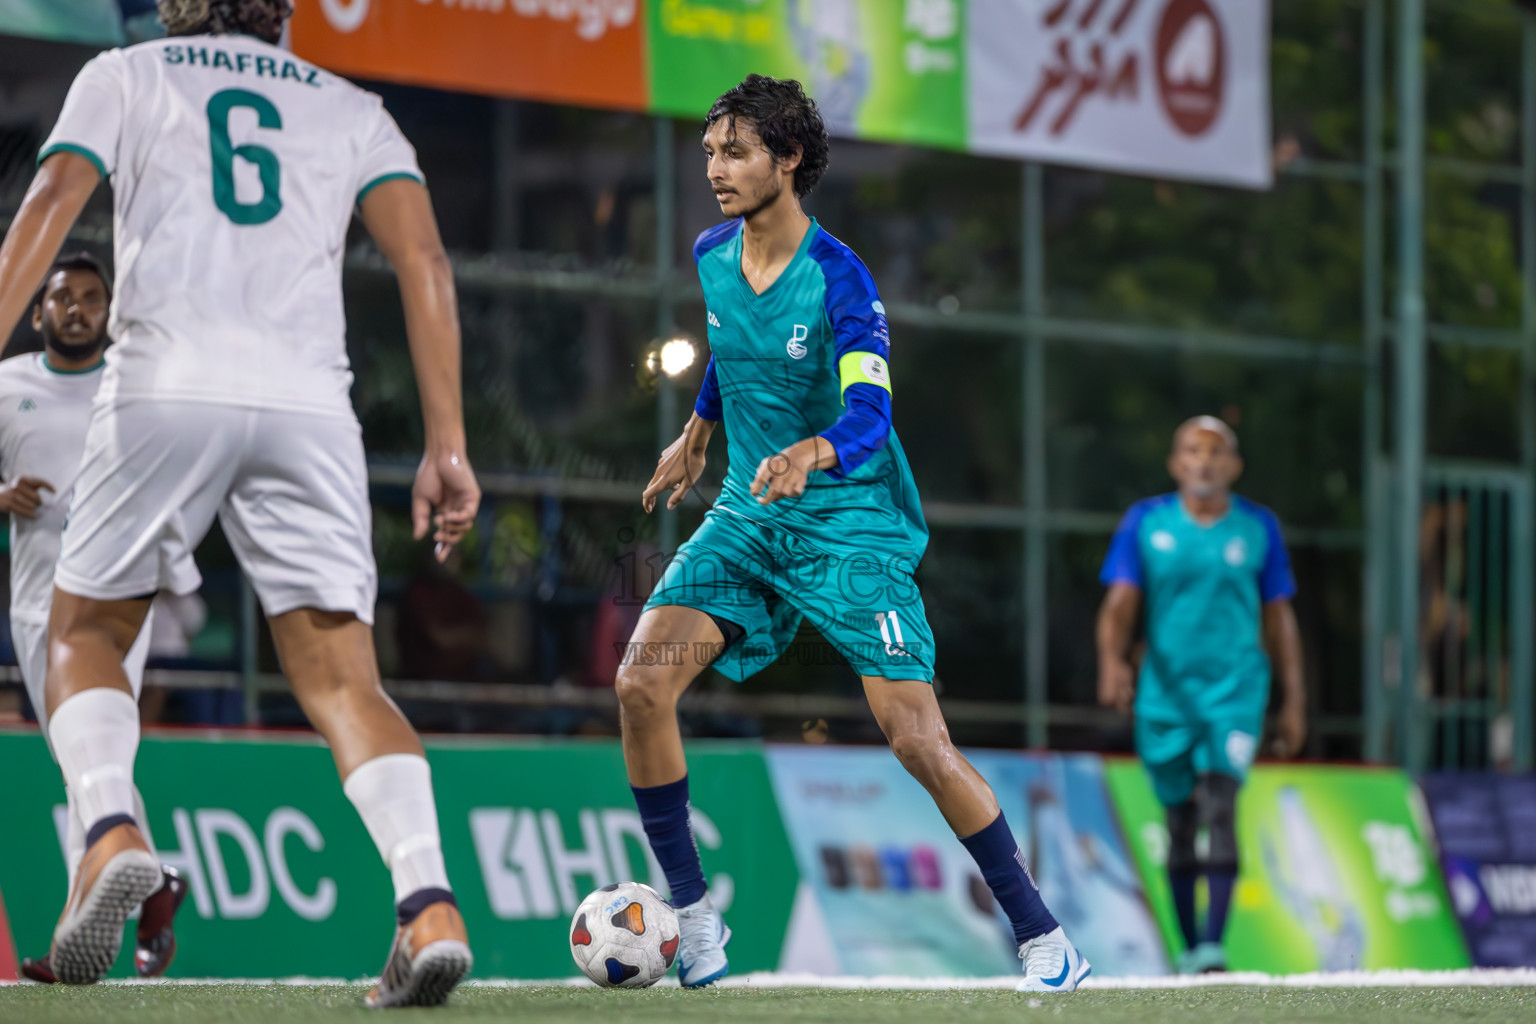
{"points": [[1052, 963], [701, 955]]}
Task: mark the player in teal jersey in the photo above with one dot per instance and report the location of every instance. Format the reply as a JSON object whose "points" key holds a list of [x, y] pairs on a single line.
{"points": [[819, 518], [1217, 584]]}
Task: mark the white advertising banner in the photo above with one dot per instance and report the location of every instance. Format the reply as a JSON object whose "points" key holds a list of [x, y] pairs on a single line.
{"points": [[1171, 88]]}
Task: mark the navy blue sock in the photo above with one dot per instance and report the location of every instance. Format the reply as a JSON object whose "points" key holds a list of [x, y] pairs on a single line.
{"points": [[664, 813], [105, 825], [1001, 861], [410, 908], [1183, 885], [1219, 885]]}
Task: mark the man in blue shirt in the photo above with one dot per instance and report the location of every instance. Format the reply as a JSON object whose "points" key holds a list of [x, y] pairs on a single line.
{"points": [[1216, 579]]}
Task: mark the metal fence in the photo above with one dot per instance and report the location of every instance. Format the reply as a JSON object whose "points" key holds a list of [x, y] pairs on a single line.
{"points": [[1041, 399]]}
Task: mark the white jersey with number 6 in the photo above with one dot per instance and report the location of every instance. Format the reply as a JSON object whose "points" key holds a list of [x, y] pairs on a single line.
{"points": [[235, 170]]}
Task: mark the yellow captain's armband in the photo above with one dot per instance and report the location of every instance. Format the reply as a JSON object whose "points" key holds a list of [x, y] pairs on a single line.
{"points": [[864, 368]]}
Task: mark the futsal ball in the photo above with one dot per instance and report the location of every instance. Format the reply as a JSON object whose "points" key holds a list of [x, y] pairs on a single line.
{"points": [[624, 936]]}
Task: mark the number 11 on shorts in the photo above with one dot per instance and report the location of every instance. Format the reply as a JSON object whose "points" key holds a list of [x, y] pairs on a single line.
{"points": [[890, 626]]}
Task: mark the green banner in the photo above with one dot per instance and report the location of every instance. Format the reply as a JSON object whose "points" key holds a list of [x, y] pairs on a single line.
{"points": [[286, 881], [78, 21], [1338, 871], [874, 73]]}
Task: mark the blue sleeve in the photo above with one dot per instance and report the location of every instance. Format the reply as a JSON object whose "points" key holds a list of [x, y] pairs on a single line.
{"points": [[1276, 581], [708, 404], [853, 308], [1123, 563], [862, 429], [713, 237]]}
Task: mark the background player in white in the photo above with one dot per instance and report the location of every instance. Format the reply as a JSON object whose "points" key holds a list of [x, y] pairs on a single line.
{"points": [[45, 406], [235, 169]]}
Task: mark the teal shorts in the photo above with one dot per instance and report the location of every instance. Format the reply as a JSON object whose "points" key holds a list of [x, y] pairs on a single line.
{"points": [[766, 580], [1176, 754]]}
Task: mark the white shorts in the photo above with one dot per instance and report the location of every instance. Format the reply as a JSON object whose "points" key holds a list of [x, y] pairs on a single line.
{"points": [[289, 488], [29, 635]]}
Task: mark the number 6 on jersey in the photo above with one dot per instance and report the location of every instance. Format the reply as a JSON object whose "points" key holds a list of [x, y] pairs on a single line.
{"points": [[224, 152]]}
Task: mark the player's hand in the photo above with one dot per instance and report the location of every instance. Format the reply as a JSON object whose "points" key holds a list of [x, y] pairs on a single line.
{"points": [[1117, 685], [785, 474], [23, 496], [678, 469], [444, 497], [1292, 728]]}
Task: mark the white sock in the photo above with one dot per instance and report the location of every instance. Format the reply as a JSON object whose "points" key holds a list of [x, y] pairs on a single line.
{"points": [[393, 794], [74, 835], [95, 735]]}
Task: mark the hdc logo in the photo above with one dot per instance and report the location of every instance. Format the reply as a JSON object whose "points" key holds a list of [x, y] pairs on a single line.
{"points": [[531, 872], [198, 834]]}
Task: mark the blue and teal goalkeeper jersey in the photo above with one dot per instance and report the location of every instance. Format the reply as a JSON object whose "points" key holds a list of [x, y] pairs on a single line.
{"points": [[1204, 587], [808, 357]]}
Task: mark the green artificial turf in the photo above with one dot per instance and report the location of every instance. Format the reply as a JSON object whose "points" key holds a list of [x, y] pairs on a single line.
{"points": [[271, 1004]]}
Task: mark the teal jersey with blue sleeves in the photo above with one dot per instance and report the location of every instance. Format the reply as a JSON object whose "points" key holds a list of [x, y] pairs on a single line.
{"points": [[787, 365], [1204, 587], [806, 358]]}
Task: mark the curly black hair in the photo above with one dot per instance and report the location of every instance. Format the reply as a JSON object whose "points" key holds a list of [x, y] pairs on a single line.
{"points": [[260, 18], [785, 118]]}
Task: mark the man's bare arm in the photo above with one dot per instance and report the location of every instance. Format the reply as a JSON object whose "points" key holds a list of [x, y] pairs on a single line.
{"points": [[58, 193], [1282, 639], [1113, 635], [398, 214]]}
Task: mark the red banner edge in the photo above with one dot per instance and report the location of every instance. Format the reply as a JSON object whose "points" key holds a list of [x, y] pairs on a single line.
{"points": [[7, 947]]}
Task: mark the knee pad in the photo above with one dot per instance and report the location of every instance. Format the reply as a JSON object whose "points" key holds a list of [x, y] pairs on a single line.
{"points": [[1219, 807], [1183, 823]]}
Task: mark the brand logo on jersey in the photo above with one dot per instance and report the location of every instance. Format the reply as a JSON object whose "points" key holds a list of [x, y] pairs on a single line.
{"points": [[878, 307], [1162, 540], [1236, 552], [875, 369], [796, 348], [714, 321], [27, 405], [890, 632]]}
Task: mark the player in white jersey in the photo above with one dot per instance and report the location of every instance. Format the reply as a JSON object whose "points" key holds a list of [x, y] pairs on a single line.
{"points": [[45, 406], [235, 169]]}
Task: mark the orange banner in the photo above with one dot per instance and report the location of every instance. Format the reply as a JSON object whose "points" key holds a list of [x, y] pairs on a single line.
{"points": [[584, 52]]}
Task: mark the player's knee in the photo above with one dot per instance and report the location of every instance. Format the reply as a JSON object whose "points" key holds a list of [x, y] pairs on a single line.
{"points": [[1220, 800], [643, 692], [1183, 824], [78, 625], [921, 754]]}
